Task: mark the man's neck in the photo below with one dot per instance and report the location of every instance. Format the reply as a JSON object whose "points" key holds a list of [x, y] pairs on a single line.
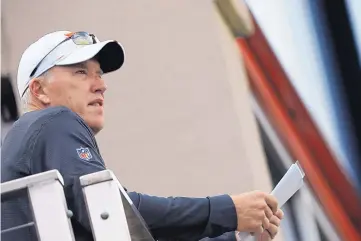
{"points": [[34, 106]]}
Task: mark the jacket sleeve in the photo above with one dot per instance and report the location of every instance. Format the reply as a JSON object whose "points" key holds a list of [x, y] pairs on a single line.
{"points": [[67, 145], [230, 236], [183, 218]]}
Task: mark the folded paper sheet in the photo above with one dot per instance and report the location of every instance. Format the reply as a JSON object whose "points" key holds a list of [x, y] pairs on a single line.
{"points": [[290, 183]]}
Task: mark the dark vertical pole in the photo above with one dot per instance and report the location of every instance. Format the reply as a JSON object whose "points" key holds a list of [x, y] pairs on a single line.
{"points": [[344, 47], [339, 57]]}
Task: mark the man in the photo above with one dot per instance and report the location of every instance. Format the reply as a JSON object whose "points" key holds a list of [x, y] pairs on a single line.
{"points": [[62, 90]]}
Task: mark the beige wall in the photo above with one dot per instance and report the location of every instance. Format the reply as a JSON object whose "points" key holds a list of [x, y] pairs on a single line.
{"points": [[178, 116]]}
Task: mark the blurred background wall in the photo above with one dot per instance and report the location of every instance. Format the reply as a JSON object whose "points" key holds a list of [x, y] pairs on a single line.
{"points": [[178, 119]]}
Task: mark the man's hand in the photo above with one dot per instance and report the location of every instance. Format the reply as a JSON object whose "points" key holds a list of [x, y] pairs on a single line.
{"points": [[272, 230], [255, 211], [273, 227]]}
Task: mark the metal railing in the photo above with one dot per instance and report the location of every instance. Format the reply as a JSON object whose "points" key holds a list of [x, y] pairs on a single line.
{"points": [[47, 200], [105, 206], [112, 215]]}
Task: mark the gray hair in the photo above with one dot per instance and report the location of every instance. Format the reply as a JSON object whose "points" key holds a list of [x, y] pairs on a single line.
{"points": [[25, 101], [26, 98]]}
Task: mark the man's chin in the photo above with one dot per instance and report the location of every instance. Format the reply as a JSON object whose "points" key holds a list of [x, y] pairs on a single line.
{"points": [[96, 130], [95, 126]]}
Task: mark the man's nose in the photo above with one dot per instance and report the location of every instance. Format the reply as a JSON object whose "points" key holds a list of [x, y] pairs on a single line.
{"points": [[99, 86]]}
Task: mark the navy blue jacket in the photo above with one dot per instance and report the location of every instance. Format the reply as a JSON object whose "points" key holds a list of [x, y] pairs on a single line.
{"points": [[57, 138]]}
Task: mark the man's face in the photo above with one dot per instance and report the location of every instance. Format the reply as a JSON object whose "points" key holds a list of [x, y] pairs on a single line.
{"points": [[81, 88]]}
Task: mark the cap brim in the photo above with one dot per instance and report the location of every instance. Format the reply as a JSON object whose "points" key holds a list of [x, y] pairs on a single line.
{"points": [[110, 55]]}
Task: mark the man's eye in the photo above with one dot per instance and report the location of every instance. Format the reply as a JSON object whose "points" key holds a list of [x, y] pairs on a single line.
{"points": [[81, 72]]}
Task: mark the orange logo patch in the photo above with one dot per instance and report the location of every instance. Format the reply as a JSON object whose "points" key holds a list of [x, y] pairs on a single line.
{"points": [[69, 34]]}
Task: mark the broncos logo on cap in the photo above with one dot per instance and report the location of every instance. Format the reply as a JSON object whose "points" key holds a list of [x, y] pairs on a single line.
{"points": [[69, 34]]}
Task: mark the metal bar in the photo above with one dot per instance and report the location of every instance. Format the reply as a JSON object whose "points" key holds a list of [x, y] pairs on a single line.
{"points": [[25, 182], [17, 227], [50, 210], [105, 207]]}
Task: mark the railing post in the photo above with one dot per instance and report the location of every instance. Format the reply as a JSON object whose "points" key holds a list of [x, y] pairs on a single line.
{"points": [[105, 207], [47, 199]]}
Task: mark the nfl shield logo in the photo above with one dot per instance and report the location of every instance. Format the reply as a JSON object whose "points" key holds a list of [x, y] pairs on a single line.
{"points": [[84, 153]]}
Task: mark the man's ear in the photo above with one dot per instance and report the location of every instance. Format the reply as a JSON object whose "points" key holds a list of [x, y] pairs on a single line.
{"points": [[37, 87]]}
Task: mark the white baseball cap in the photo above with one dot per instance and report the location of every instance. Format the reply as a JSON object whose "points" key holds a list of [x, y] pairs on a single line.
{"points": [[66, 48]]}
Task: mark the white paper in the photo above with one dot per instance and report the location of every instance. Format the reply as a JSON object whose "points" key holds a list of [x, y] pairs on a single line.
{"points": [[290, 183]]}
